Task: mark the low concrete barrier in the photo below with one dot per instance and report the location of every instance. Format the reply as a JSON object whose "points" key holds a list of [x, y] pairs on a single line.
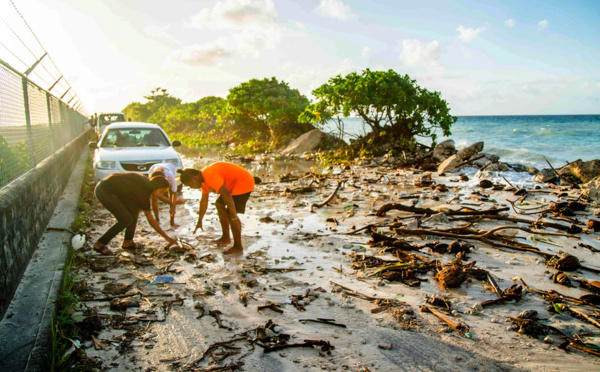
{"points": [[26, 206]]}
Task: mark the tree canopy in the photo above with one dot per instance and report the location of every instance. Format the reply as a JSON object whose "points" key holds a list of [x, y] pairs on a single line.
{"points": [[386, 101], [269, 107]]}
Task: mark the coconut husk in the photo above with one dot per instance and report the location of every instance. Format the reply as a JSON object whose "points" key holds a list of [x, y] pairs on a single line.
{"points": [[567, 263], [593, 225], [593, 286], [562, 279], [451, 276]]}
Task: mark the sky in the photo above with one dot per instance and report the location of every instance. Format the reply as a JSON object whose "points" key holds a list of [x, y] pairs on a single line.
{"points": [[485, 57]]}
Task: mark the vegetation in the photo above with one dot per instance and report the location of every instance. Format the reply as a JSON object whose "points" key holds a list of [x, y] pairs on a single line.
{"points": [[263, 115], [64, 355], [393, 106], [14, 160]]}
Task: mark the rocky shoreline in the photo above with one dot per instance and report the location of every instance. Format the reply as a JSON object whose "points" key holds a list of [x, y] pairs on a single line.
{"points": [[363, 267]]}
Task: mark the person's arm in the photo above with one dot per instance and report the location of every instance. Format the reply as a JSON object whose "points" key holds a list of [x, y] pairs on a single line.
{"points": [[228, 200], [173, 203], [154, 202], [156, 227], [202, 211]]}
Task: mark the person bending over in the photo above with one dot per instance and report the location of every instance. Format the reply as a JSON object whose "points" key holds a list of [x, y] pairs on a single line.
{"points": [[168, 171], [124, 195], [234, 185]]}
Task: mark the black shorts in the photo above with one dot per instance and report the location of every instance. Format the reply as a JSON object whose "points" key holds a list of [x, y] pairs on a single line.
{"points": [[238, 200]]}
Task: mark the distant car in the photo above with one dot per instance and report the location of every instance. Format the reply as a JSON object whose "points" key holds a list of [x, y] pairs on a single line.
{"points": [[132, 147], [105, 119]]}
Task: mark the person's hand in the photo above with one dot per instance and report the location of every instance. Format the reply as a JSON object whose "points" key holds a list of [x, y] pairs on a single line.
{"points": [[198, 226], [171, 240], [181, 201]]}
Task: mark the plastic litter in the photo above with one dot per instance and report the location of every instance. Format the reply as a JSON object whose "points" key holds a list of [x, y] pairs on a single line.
{"points": [[78, 241], [162, 279]]}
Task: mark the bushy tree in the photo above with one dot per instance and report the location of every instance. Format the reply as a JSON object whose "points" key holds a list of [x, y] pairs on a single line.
{"points": [[386, 101], [155, 110], [266, 110]]}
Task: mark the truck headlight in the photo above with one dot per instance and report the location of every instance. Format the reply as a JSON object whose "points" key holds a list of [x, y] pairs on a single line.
{"points": [[106, 165]]}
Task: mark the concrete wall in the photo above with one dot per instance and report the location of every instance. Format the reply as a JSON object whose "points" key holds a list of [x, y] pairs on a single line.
{"points": [[26, 206]]}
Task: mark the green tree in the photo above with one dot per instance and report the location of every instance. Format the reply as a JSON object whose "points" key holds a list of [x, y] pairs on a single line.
{"points": [[266, 110], [386, 101], [155, 110]]}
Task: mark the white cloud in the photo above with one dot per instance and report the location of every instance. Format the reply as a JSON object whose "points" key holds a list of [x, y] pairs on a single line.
{"points": [[415, 54], [511, 22], [334, 9], [202, 55], [366, 51], [469, 34], [245, 44], [300, 26], [542, 25], [237, 13]]}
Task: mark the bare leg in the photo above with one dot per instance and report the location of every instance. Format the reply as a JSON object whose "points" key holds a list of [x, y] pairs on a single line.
{"points": [[236, 229], [224, 220]]}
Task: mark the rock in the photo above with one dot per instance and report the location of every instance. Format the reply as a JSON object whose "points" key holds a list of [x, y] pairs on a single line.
{"points": [[545, 175], [592, 189], [443, 150], [583, 171], [480, 162], [451, 164], [467, 152], [485, 184], [496, 167], [306, 142], [528, 314]]}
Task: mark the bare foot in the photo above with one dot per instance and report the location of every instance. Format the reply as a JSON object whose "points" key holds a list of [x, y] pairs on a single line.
{"points": [[222, 241], [234, 250]]}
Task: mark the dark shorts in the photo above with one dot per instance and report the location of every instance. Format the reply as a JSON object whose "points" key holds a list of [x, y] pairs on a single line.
{"points": [[238, 200]]}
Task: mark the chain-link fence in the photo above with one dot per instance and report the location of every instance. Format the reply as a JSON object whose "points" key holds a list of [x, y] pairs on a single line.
{"points": [[33, 124]]}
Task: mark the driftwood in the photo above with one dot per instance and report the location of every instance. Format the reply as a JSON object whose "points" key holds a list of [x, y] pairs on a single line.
{"points": [[461, 328], [319, 205], [560, 175], [323, 321], [557, 226], [450, 212], [484, 237], [324, 345], [556, 295]]}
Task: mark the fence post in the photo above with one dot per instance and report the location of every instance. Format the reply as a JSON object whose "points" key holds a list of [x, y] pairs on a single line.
{"points": [[28, 122], [54, 147]]}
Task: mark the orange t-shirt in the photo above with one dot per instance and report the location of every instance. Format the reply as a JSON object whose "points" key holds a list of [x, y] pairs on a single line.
{"points": [[236, 179]]}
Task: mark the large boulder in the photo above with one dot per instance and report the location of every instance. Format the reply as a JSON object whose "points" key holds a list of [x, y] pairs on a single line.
{"points": [[451, 164], [482, 159], [474, 149], [443, 151], [545, 175], [306, 142], [585, 171]]}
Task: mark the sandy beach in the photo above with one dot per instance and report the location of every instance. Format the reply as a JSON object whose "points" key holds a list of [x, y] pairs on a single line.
{"points": [[296, 279]]}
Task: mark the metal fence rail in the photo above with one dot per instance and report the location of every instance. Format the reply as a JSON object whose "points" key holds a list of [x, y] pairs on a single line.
{"points": [[33, 124]]}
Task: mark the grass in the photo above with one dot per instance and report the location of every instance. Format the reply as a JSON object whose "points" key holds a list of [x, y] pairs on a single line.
{"points": [[64, 354]]}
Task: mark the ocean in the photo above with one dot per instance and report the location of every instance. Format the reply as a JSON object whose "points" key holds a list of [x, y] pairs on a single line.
{"points": [[523, 139]]}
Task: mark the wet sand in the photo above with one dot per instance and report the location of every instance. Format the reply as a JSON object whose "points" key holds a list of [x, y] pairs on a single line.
{"points": [[175, 323]]}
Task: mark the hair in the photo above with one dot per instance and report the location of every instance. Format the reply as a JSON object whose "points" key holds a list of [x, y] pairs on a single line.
{"points": [[187, 174], [157, 172], [158, 182]]}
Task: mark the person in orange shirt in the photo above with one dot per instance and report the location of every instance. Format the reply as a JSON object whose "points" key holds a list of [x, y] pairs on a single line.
{"points": [[234, 185]]}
